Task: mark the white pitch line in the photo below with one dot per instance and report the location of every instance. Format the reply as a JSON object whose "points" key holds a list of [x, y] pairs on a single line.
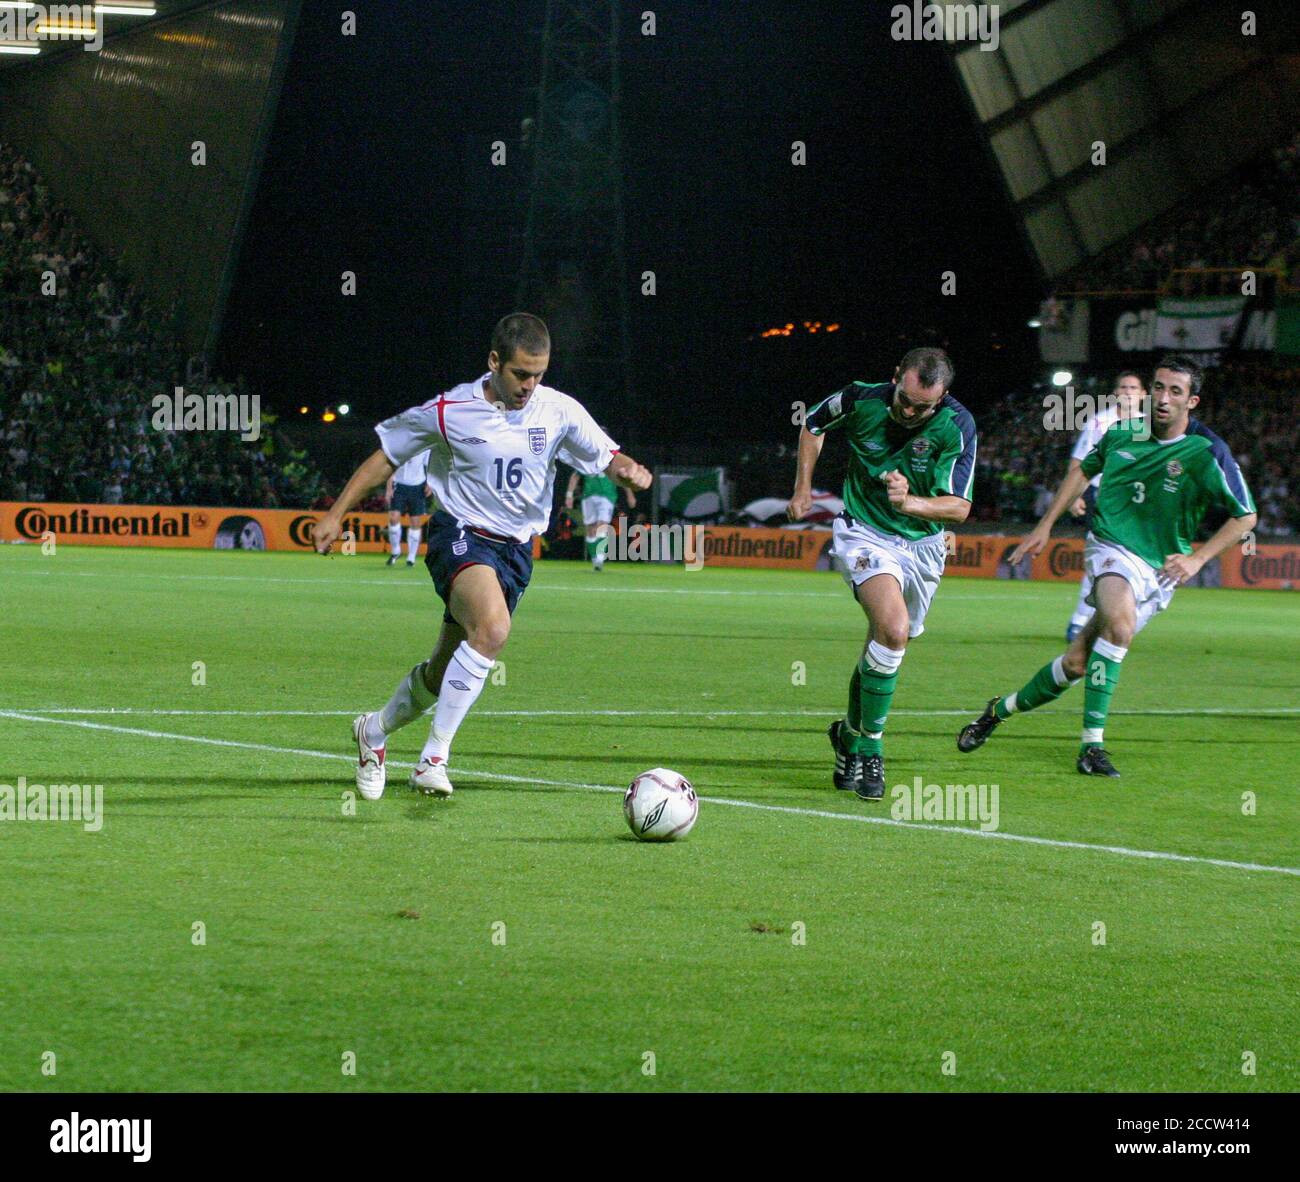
{"points": [[824, 712], [791, 810], [424, 585]]}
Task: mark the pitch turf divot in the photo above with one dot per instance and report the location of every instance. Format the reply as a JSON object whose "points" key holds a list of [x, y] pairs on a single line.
{"points": [[792, 810]]}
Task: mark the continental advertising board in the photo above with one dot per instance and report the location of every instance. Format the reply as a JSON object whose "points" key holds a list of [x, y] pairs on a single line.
{"points": [[1267, 566], [179, 526], [182, 526]]}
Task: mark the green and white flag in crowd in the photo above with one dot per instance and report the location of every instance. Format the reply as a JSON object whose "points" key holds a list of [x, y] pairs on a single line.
{"points": [[693, 494], [1203, 324]]}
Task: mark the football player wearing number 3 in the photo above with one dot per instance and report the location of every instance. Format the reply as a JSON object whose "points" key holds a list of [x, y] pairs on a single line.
{"points": [[493, 446], [1157, 484]]}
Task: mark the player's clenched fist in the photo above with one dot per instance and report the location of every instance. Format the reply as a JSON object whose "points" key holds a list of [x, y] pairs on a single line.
{"points": [[799, 505], [897, 487], [326, 533], [630, 474]]}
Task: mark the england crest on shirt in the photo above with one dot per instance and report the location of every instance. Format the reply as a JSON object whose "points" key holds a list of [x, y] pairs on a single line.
{"points": [[537, 440]]}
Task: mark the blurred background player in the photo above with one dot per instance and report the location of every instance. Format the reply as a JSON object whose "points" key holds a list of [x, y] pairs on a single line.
{"points": [[904, 435], [407, 493], [493, 444], [1160, 480], [599, 499], [1130, 389]]}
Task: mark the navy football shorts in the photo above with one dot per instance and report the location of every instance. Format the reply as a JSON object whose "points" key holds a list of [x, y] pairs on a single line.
{"points": [[409, 499], [454, 546]]}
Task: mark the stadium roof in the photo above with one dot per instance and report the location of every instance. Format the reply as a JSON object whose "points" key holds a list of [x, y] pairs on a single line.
{"points": [[1177, 91], [19, 25]]}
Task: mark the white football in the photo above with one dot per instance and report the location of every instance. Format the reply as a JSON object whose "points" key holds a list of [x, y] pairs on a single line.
{"points": [[660, 805]]}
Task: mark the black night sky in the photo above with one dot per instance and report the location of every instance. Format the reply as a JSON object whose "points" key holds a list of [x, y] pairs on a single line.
{"points": [[377, 135]]}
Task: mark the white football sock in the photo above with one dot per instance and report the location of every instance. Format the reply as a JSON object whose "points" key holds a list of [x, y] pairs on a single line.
{"points": [[410, 699], [461, 685], [395, 538], [412, 541], [884, 660]]}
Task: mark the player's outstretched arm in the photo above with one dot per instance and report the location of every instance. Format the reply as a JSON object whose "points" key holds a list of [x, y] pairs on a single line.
{"points": [[376, 469], [1078, 507], [810, 447], [1071, 490], [570, 490], [1179, 568], [625, 471]]}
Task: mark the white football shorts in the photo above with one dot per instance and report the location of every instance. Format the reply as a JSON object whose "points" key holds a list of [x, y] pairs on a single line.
{"points": [[1151, 592], [596, 510], [918, 566]]}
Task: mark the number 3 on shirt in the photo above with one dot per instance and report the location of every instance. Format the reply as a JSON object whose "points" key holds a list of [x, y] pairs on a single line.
{"points": [[1139, 491], [511, 473]]}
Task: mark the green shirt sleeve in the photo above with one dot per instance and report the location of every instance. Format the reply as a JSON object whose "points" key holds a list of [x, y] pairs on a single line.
{"points": [[1093, 462], [833, 411]]}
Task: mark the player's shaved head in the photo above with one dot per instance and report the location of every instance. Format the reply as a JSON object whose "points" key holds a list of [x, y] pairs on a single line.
{"points": [[520, 332], [933, 367], [920, 385]]}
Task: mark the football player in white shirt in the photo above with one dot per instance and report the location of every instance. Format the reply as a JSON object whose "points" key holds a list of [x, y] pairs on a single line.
{"points": [[407, 493], [493, 444], [1130, 389]]}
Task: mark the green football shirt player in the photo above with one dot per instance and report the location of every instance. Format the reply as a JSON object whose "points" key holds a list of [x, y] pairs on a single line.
{"points": [[911, 467], [599, 499], [1156, 487]]}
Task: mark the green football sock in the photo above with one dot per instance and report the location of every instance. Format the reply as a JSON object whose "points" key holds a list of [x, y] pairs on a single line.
{"points": [[877, 676], [601, 547], [853, 717], [589, 548], [1099, 685], [1048, 684]]}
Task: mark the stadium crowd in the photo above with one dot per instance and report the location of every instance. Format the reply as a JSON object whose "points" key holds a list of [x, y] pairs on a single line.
{"points": [[79, 370], [1252, 407], [1252, 219]]}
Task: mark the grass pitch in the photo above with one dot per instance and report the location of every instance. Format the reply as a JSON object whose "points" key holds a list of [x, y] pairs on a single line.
{"points": [[516, 937]]}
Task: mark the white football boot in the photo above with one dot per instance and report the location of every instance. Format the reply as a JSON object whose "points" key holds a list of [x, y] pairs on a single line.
{"points": [[430, 777], [371, 775]]}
